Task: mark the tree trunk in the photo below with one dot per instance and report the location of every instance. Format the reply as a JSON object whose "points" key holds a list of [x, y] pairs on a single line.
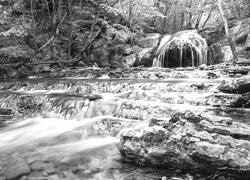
{"points": [[163, 28], [190, 16], [229, 38], [68, 9], [208, 17], [198, 20], [130, 11], [165, 19], [182, 20]]}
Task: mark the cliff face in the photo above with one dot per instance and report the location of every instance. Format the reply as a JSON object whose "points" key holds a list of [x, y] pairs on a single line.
{"points": [[219, 49]]}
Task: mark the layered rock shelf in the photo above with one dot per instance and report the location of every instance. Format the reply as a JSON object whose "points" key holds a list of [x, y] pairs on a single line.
{"points": [[192, 120]]}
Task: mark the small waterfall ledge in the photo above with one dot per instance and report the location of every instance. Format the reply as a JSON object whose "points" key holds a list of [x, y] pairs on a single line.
{"points": [[182, 49]]}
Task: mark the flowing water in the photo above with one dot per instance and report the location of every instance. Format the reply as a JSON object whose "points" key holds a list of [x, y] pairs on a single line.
{"points": [[70, 128], [184, 41]]}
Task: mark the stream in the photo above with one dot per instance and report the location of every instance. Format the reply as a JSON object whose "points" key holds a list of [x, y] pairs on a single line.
{"points": [[70, 128]]}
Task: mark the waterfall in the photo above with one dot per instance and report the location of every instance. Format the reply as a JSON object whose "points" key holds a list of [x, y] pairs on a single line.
{"points": [[157, 62], [185, 41]]}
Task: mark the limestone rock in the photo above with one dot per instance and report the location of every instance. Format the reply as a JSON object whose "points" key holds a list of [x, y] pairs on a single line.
{"points": [[236, 86], [190, 141], [229, 100], [145, 57], [15, 168], [41, 166], [151, 40], [240, 31], [130, 60], [112, 14], [16, 54]]}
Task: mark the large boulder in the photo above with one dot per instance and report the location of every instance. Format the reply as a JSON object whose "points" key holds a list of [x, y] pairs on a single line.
{"points": [[14, 31], [149, 41], [235, 86], [240, 31], [143, 57], [15, 54], [191, 142], [112, 14], [13, 61]]}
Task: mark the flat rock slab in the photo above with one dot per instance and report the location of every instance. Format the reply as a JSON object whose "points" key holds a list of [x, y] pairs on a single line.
{"points": [[190, 141]]}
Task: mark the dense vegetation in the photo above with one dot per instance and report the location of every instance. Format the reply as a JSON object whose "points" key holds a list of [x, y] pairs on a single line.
{"points": [[106, 33]]}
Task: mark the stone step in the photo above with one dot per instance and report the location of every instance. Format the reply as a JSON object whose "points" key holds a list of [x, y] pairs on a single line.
{"points": [[198, 98], [139, 73], [190, 141], [144, 110], [134, 105], [192, 98], [102, 86]]}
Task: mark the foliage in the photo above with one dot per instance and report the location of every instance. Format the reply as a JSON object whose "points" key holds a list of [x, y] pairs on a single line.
{"points": [[175, 15]]}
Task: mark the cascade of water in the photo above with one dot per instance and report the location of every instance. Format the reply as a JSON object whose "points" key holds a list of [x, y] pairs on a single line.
{"points": [[182, 40], [159, 62], [181, 51]]}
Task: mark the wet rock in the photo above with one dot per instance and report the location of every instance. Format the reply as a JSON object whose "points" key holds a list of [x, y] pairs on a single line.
{"points": [[211, 75], [107, 126], [5, 116], [41, 166], [27, 104], [130, 60], [192, 142], [158, 121], [4, 111], [15, 168], [54, 177], [229, 100], [236, 86], [142, 57], [145, 58], [247, 45]]}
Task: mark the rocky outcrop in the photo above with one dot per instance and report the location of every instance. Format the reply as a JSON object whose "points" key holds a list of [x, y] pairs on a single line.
{"points": [[239, 30], [13, 61], [190, 141], [16, 54], [143, 52], [236, 86]]}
